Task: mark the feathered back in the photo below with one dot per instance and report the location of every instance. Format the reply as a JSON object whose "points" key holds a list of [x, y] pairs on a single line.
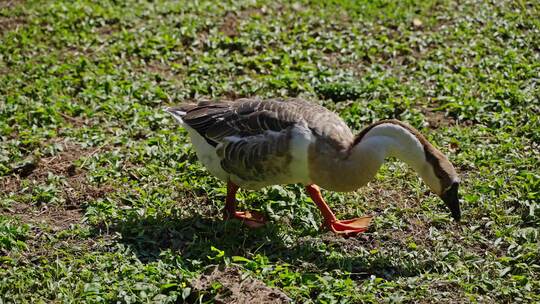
{"points": [[248, 117]]}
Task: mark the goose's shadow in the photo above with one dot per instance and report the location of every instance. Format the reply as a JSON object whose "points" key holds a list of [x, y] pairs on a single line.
{"points": [[193, 238]]}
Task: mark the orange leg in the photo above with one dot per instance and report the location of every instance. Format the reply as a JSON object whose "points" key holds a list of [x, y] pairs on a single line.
{"points": [[252, 219], [348, 227]]}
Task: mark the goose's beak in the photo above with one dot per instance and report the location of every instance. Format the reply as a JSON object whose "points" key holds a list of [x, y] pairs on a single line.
{"points": [[451, 199]]}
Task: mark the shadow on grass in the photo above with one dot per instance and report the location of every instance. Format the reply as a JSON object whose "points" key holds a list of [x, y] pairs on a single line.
{"points": [[193, 238]]}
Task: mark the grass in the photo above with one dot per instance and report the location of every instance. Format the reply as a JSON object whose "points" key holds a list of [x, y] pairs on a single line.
{"points": [[102, 198]]}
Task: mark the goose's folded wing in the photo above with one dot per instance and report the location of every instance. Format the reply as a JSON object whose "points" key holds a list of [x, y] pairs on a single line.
{"points": [[257, 158], [217, 121]]}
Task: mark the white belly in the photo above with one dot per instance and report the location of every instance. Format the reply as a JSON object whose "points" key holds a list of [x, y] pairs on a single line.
{"points": [[207, 154]]}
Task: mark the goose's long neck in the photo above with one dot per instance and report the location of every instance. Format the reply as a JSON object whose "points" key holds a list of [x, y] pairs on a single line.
{"points": [[369, 151]]}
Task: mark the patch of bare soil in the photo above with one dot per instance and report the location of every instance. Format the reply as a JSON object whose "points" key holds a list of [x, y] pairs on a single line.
{"points": [[58, 218], [436, 119], [10, 23], [10, 3], [378, 195], [230, 25], [231, 21], [107, 30], [416, 230], [77, 189], [238, 289], [162, 69]]}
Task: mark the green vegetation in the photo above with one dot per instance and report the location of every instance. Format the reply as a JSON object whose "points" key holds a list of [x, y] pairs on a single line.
{"points": [[102, 198]]}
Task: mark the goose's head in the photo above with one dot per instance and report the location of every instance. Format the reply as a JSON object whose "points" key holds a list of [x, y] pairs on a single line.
{"points": [[442, 179]]}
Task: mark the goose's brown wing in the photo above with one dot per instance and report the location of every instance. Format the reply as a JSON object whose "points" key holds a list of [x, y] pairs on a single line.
{"points": [[243, 118], [248, 117], [257, 158]]}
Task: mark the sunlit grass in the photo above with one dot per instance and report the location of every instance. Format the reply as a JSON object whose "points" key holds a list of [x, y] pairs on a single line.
{"points": [[102, 198]]}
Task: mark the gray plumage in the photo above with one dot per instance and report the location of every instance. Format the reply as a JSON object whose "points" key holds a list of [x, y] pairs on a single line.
{"points": [[252, 136], [246, 117]]}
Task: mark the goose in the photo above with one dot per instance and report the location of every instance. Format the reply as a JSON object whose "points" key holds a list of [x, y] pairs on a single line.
{"points": [[254, 143]]}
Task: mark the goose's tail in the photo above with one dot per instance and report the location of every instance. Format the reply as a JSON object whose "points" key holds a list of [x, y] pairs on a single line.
{"points": [[179, 112]]}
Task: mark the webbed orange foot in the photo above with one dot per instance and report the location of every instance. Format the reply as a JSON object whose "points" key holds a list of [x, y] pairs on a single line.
{"points": [[345, 227], [252, 219], [350, 227]]}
